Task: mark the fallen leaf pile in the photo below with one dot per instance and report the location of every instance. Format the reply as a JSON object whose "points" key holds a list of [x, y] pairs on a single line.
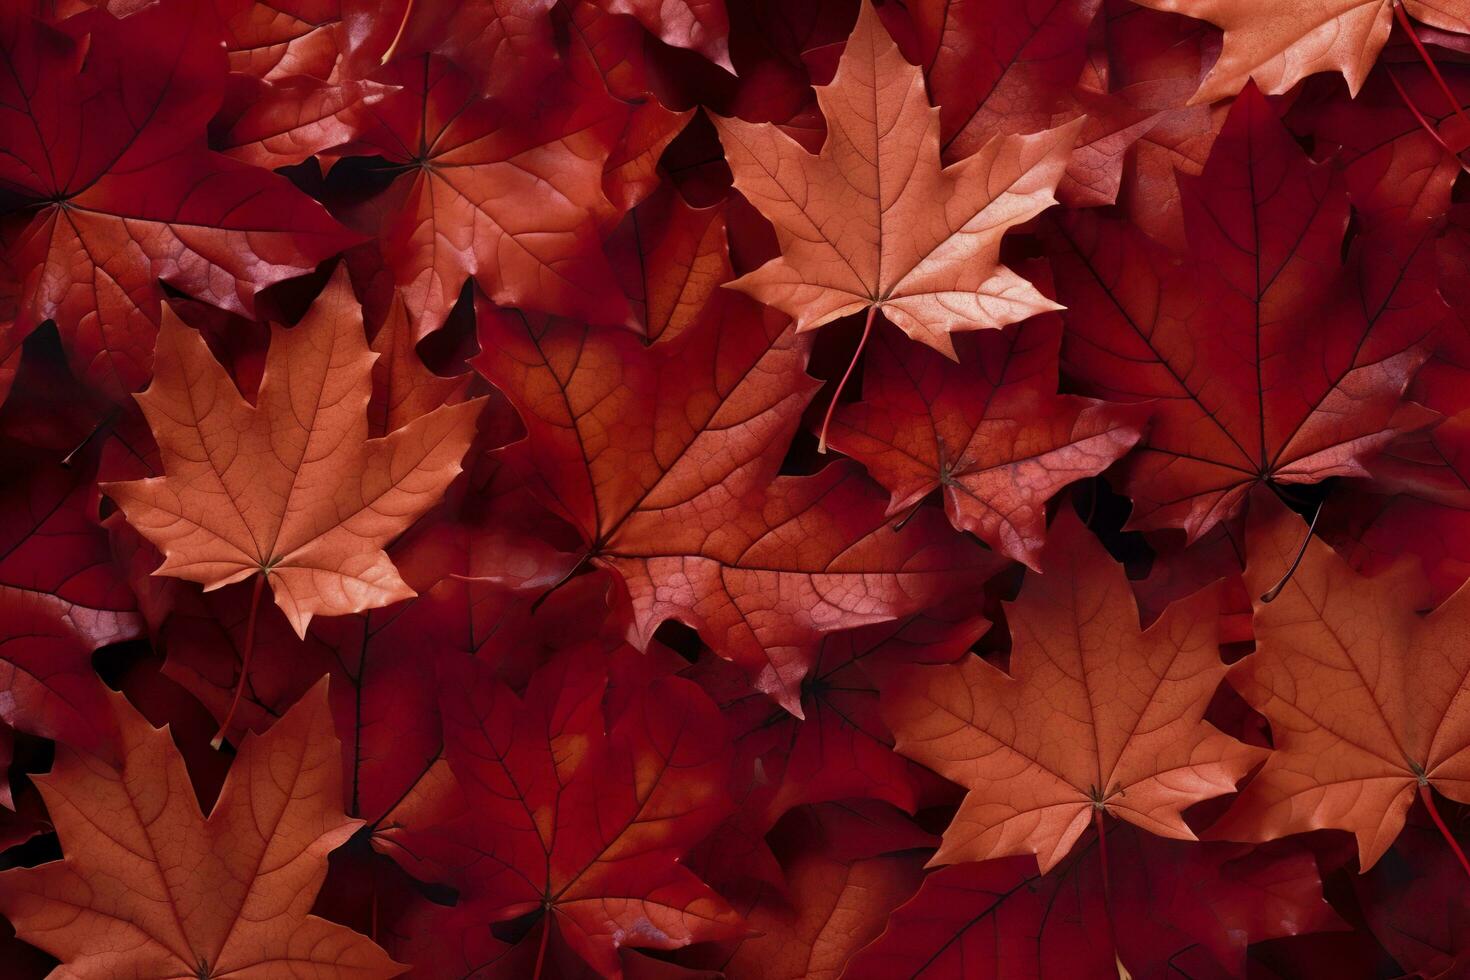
{"points": [[764, 489]]}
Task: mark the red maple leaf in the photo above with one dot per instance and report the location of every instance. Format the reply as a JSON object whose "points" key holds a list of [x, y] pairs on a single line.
{"points": [[574, 816], [665, 460], [1269, 357], [989, 431], [107, 147]]}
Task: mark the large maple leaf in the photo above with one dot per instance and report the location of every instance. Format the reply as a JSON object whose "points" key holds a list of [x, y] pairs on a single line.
{"points": [[1094, 718], [104, 140], [1270, 357], [665, 460], [290, 488], [873, 223], [991, 431], [1365, 696], [157, 890], [1279, 44], [577, 812]]}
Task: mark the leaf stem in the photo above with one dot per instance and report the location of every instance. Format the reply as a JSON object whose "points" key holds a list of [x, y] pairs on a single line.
{"points": [[398, 37], [219, 737], [373, 874], [106, 422], [1274, 591], [1424, 123], [1403, 18], [1428, 797], [1102, 854], [903, 522], [832, 406], [541, 951]]}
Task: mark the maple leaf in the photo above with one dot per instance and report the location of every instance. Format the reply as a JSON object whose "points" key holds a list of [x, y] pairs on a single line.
{"points": [[995, 68], [834, 909], [511, 199], [1095, 717], [1177, 909], [291, 487], [665, 461], [281, 124], [1270, 358], [108, 150], [873, 223], [385, 697], [578, 816], [158, 890], [781, 50], [404, 389], [1361, 690], [1140, 136], [616, 47], [990, 431], [1277, 45]]}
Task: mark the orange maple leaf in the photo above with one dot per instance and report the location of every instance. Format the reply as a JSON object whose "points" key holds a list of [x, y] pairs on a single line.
{"points": [[150, 888], [1279, 44], [1095, 717], [873, 222], [1368, 700], [291, 488]]}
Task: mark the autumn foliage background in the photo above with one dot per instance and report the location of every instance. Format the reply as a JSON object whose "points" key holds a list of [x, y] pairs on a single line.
{"points": [[747, 488]]}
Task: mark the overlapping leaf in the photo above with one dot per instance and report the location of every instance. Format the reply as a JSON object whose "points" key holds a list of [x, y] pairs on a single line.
{"points": [[1270, 358], [105, 142], [579, 818], [1365, 695], [158, 890], [1095, 718], [290, 488], [665, 460], [1277, 45], [872, 221], [510, 199], [990, 432]]}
